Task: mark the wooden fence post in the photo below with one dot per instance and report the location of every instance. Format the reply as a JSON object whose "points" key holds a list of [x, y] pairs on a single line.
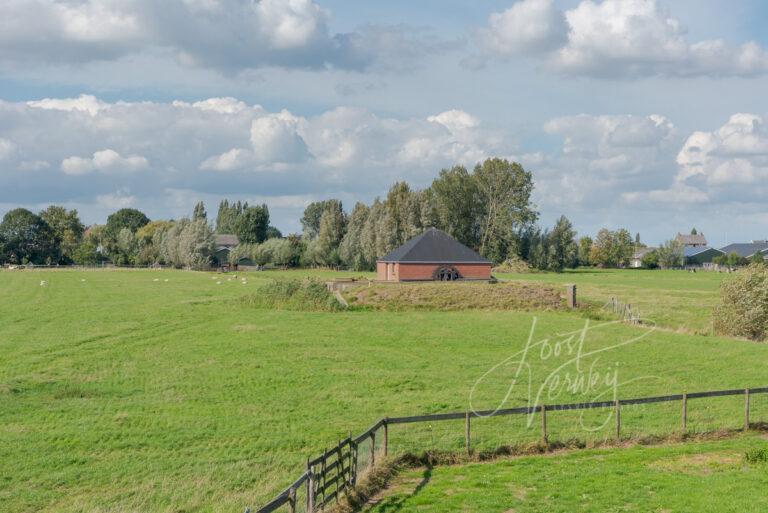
{"points": [[617, 409], [292, 500], [386, 437], [544, 425], [684, 415], [310, 489], [746, 409], [467, 434], [571, 295], [373, 448]]}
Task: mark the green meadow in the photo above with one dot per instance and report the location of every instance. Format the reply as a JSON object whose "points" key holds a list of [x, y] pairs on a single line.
{"points": [[684, 478], [163, 391]]}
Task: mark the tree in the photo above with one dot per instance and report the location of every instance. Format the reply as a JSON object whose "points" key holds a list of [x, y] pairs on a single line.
{"points": [[252, 223], [226, 218], [26, 237], [170, 250], [503, 203], [125, 218], [199, 212], [455, 204], [196, 244], [310, 221], [273, 233], [562, 249], [585, 245], [124, 252], [651, 259], [757, 259], [149, 239], [351, 249], [67, 230], [670, 254], [612, 249], [324, 249], [694, 231]]}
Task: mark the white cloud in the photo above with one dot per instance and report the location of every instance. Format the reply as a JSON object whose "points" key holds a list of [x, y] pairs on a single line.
{"points": [[736, 153], [106, 161], [119, 199], [615, 38], [527, 26], [84, 103], [226, 35], [6, 148], [224, 147], [275, 139], [603, 157]]}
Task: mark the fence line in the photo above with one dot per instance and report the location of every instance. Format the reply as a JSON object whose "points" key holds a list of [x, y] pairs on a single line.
{"points": [[329, 474], [624, 310]]}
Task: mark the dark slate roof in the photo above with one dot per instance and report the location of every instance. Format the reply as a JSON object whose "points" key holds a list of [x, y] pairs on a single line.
{"points": [[685, 240], [434, 247], [746, 249], [689, 251], [225, 240]]}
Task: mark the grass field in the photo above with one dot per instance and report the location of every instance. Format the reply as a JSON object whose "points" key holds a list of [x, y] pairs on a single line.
{"points": [[672, 299], [684, 478], [162, 391]]}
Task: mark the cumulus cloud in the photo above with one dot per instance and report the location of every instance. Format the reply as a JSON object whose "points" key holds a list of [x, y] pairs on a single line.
{"points": [[227, 35], [614, 38], [106, 161], [729, 164], [221, 146], [603, 156], [527, 26], [117, 200]]}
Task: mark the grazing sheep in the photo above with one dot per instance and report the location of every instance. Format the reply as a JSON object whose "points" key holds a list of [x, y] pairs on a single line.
{"points": [[43, 283]]}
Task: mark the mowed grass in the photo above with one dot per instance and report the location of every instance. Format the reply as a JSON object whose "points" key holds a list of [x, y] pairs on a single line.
{"points": [[161, 391], [678, 300], [684, 478]]}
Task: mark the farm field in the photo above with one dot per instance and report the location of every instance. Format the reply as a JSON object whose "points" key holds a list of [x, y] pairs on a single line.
{"points": [[684, 478], [163, 391], [673, 299]]}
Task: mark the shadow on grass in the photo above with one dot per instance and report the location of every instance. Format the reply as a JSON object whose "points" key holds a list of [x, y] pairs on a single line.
{"points": [[396, 503]]}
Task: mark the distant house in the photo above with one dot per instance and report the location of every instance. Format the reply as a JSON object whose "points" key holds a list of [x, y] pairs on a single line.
{"points": [[700, 256], [224, 243], [433, 255], [695, 240], [747, 249], [636, 262]]}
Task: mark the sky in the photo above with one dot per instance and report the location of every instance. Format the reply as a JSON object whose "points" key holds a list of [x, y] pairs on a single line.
{"points": [[648, 115]]}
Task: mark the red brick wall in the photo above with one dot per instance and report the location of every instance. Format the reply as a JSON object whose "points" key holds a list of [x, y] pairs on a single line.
{"points": [[406, 272]]}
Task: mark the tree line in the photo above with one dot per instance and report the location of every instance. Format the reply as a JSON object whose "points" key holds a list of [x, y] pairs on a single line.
{"points": [[488, 208]]}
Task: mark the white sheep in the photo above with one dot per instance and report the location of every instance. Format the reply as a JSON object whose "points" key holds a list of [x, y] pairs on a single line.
{"points": [[43, 283]]}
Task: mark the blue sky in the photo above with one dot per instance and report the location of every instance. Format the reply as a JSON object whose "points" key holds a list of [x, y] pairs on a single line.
{"points": [[642, 114]]}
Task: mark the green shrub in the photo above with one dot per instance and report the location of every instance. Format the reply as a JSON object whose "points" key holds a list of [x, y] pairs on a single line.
{"points": [[309, 295], [756, 455], [743, 311]]}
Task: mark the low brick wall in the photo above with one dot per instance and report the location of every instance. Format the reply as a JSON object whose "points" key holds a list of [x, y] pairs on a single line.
{"points": [[423, 272]]}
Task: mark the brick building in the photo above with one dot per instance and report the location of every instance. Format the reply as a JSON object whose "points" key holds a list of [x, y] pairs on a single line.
{"points": [[433, 255]]}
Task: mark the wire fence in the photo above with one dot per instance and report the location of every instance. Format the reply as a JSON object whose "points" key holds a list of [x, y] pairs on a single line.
{"points": [[329, 475]]}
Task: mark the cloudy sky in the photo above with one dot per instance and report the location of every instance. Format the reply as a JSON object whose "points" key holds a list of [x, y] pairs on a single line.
{"points": [[643, 114]]}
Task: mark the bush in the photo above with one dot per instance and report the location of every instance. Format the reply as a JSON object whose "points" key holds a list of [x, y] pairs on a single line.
{"points": [[756, 456], [513, 264], [294, 295], [743, 311]]}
